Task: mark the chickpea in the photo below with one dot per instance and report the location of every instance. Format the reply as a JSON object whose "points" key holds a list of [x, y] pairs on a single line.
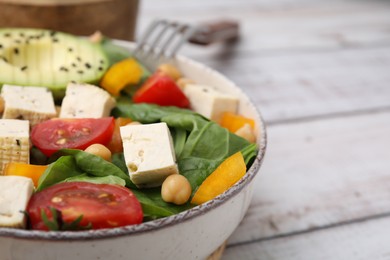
{"points": [[99, 150], [176, 189], [169, 70], [182, 82], [134, 123], [247, 133]]}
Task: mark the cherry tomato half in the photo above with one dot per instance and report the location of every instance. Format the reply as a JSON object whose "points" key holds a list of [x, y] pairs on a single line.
{"points": [[162, 90], [78, 133], [100, 205]]}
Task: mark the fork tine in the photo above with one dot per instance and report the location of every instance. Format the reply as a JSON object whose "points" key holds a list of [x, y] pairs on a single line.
{"points": [[165, 26], [144, 38], [157, 44], [173, 33], [190, 30]]}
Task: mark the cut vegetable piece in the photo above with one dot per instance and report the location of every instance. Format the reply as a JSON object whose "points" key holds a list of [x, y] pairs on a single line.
{"points": [[79, 133], [98, 206], [35, 57], [121, 74], [169, 70], [226, 175], [161, 90], [33, 172], [115, 145], [233, 122]]}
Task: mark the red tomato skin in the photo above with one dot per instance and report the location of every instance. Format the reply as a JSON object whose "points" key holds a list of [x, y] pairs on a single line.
{"points": [[45, 136], [161, 90], [102, 205]]}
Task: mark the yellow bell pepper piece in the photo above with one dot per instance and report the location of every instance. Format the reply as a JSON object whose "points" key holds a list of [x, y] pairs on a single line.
{"points": [[233, 122], [25, 170], [121, 74], [226, 175]]}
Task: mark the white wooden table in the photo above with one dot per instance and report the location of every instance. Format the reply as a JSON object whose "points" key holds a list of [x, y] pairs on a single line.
{"points": [[319, 71]]}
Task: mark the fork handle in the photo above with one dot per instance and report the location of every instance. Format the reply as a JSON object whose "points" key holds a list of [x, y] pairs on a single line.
{"points": [[217, 31]]}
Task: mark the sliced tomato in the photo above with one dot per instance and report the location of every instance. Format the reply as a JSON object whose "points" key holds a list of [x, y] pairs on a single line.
{"points": [[78, 133], [162, 90], [100, 205]]}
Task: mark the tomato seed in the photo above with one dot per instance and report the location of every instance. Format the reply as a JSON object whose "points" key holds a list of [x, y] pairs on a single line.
{"points": [[60, 132], [61, 141], [86, 130], [56, 199]]}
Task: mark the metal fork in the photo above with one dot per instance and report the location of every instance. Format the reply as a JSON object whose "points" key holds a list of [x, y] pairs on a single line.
{"points": [[163, 39]]}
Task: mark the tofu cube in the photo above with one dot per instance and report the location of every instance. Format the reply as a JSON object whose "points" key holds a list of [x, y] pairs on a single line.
{"points": [[149, 153], [86, 101], [15, 192], [14, 142], [35, 104], [209, 102]]}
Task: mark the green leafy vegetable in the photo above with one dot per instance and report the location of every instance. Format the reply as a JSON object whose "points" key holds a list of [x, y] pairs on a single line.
{"points": [[119, 160], [206, 146], [97, 166], [58, 224], [179, 137], [114, 52], [58, 171], [153, 205], [110, 179]]}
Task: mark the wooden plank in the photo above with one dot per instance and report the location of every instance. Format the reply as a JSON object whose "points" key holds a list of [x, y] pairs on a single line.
{"points": [[287, 87], [303, 81], [364, 241], [280, 25], [320, 173]]}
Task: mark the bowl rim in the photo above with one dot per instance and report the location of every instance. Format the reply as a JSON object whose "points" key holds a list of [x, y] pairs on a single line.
{"points": [[166, 221]]}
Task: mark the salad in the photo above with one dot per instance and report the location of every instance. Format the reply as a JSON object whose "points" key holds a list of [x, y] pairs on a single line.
{"points": [[92, 139]]}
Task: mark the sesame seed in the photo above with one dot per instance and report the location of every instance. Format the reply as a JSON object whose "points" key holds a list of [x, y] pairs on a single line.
{"points": [[70, 49], [23, 68], [87, 65], [4, 59], [80, 72], [7, 35], [16, 51]]}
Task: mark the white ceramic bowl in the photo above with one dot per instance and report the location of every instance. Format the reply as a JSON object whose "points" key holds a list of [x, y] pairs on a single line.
{"points": [[192, 234]]}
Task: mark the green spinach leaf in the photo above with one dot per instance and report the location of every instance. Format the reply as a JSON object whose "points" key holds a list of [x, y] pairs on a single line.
{"points": [[153, 205], [110, 179], [206, 145], [97, 166], [58, 171]]}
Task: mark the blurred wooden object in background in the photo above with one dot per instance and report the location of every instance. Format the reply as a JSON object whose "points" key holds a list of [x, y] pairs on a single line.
{"points": [[114, 18]]}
